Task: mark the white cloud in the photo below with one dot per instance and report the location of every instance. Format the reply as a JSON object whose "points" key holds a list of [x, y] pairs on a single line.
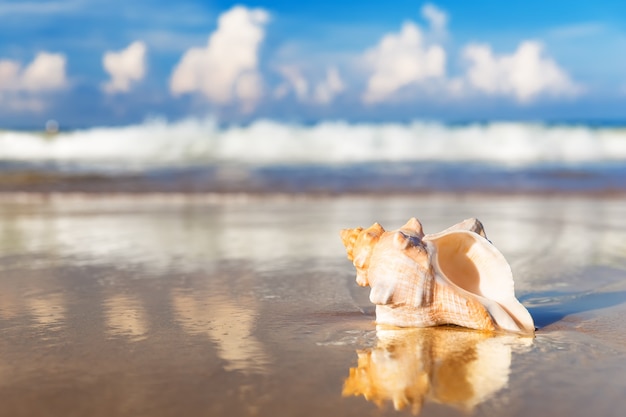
{"points": [[21, 88], [400, 60], [324, 92], [124, 67], [524, 75], [437, 18], [45, 73], [9, 75], [328, 88], [248, 89], [413, 61], [226, 70], [294, 81]]}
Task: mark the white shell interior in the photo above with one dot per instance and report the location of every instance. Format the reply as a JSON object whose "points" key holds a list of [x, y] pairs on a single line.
{"points": [[470, 262]]}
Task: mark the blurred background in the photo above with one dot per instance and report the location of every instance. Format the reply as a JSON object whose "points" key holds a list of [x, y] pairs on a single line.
{"points": [[331, 97]]}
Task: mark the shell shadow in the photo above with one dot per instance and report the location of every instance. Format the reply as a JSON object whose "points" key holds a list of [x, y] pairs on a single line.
{"points": [[550, 307]]}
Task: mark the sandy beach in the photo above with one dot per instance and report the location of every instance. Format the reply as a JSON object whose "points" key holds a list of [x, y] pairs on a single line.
{"points": [[175, 177], [231, 305]]}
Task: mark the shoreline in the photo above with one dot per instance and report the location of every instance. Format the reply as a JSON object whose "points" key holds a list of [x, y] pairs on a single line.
{"points": [[241, 195], [317, 180]]}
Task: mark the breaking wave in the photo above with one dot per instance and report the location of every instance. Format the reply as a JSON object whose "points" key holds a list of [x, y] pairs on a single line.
{"points": [[263, 142]]}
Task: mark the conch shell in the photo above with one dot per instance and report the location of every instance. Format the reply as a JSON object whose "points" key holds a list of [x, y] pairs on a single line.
{"points": [[453, 277]]}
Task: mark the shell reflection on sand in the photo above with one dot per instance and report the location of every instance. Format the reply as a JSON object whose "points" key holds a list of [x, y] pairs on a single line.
{"points": [[228, 322], [126, 317], [450, 366]]}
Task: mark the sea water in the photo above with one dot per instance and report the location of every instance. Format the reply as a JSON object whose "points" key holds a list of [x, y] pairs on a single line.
{"points": [[331, 156]]}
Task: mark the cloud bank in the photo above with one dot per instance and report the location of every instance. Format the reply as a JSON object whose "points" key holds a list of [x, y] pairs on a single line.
{"points": [[404, 60], [413, 62], [406, 65]]}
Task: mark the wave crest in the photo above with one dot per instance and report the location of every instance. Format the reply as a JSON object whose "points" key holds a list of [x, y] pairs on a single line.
{"points": [[264, 142]]}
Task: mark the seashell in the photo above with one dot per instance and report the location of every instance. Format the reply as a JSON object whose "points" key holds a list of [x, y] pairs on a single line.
{"points": [[453, 277]]}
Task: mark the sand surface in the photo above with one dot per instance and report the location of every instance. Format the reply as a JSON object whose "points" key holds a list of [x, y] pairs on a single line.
{"points": [[237, 306]]}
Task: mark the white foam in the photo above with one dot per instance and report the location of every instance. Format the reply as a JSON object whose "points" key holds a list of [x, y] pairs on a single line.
{"points": [[200, 141]]}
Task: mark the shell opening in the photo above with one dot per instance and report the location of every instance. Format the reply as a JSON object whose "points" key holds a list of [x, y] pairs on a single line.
{"points": [[456, 264], [472, 263]]}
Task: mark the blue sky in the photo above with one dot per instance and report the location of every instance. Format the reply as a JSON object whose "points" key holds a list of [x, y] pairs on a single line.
{"points": [[98, 62]]}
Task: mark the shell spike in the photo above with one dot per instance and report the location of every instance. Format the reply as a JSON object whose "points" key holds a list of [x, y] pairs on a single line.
{"points": [[472, 224], [349, 237], [413, 227], [405, 241]]}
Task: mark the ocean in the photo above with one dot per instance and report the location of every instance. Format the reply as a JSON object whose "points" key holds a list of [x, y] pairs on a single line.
{"points": [[331, 157]]}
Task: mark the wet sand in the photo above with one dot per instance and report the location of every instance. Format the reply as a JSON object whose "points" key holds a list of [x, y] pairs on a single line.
{"points": [[233, 306]]}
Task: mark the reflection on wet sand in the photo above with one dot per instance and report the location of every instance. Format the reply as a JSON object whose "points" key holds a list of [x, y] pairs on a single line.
{"points": [[9, 303], [228, 322], [48, 310], [125, 316], [450, 366]]}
